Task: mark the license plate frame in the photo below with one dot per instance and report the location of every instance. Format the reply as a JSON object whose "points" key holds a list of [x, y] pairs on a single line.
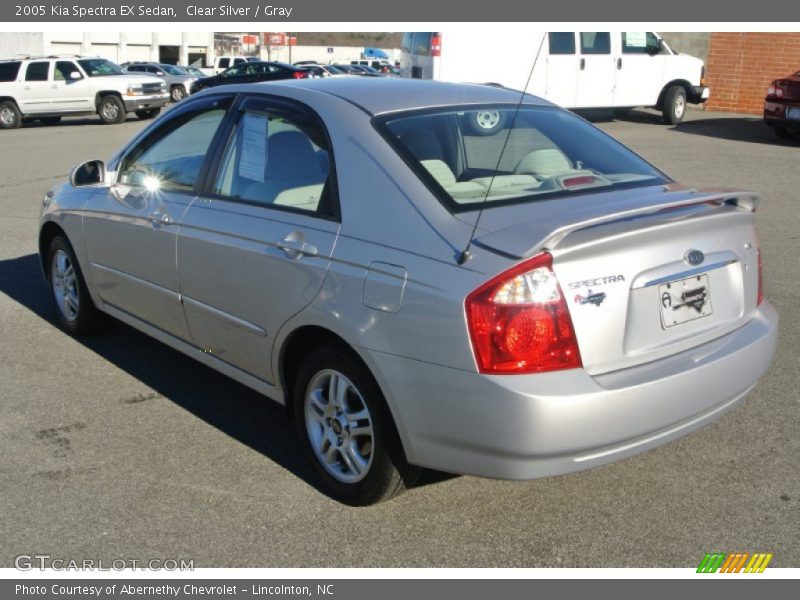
{"points": [[684, 300]]}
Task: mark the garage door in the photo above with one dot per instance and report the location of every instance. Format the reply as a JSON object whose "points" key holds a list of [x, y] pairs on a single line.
{"points": [[137, 53], [109, 51], [68, 48]]}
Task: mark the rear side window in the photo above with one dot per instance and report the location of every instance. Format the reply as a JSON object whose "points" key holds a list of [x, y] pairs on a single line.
{"points": [[594, 42], [37, 71], [466, 156], [171, 157], [276, 159], [9, 70], [562, 42], [224, 63]]}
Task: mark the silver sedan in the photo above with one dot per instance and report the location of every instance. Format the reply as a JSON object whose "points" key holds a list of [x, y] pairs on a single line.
{"points": [[430, 275]]}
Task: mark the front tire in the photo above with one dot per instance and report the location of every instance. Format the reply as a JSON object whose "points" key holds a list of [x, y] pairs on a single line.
{"points": [[674, 108], [111, 110], [346, 430], [10, 117], [77, 314]]}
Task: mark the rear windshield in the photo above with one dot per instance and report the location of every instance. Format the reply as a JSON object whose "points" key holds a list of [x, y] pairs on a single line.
{"points": [[9, 70], [491, 153]]}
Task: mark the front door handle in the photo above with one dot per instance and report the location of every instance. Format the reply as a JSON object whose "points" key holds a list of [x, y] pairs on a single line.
{"points": [[583, 64], [619, 63], [295, 247], [159, 217]]}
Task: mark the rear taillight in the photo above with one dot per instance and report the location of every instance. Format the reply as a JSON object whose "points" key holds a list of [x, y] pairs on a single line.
{"points": [[300, 75], [436, 45], [519, 322], [760, 297], [775, 90]]}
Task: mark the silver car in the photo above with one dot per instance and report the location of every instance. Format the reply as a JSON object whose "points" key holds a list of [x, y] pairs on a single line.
{"points": [[419, 286], [179, 81]]}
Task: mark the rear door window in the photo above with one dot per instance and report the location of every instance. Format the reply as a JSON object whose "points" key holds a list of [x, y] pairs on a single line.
{"points": [[594, 42], [562, 42], [37, 71]]}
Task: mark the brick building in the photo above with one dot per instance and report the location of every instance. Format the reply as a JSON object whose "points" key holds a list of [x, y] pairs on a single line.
{"points": [[740, 67]]}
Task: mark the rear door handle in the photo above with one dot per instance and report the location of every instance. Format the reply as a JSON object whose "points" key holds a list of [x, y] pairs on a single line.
{"points": [[295, 248], [159, 218], [619, 63], [583, 64]]}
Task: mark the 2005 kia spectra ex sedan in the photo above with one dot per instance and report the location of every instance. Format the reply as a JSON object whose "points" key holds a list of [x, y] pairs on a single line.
{"points": [[426, 274]]}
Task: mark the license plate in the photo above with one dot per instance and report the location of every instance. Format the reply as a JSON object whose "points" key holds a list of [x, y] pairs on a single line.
{"points": [[684, 300], [793, 112]]}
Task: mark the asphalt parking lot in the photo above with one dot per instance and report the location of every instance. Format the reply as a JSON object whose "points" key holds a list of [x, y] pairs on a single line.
{"points": [[119, 447]]}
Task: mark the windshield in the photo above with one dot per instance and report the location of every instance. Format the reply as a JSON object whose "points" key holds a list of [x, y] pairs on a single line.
{"points": [[100, 67], [173, 70], [468, 155], [195, 71]]}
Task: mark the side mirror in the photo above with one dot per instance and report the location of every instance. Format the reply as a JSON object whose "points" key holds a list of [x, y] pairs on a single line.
{"points": [[92, 172], [159, 73], [659, 46], [75, 75]]}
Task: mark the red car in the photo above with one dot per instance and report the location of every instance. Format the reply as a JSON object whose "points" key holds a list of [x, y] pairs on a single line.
{"points": [[782, 106]]}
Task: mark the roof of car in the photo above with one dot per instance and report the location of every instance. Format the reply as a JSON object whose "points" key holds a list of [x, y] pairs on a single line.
{"points": [[378, 95]]}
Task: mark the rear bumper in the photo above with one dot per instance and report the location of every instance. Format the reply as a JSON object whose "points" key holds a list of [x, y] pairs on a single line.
{"points": [[529, 426], [699, 94], [142, 102], [775, 113]]}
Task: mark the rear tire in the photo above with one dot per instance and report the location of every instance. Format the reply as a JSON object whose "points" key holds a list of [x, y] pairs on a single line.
{"points": [[786, 134], [346, 430], [10, 117], [674, 108], [111, 110], [50, 120], [76, 311], [177, 93], [486, 122], [147, 113]]}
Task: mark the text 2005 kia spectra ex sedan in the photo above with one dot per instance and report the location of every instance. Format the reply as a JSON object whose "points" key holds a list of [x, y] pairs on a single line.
{"points": [[426, 274]]}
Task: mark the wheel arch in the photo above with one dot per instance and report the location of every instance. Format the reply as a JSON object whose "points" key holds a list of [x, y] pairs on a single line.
{"points": [[102, 93], [687, 87], [308, 337], [46, 234]]}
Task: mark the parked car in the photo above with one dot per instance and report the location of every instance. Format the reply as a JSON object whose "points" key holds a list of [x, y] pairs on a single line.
{"points": [[320, 70], [382, 66], [589, 69], [362, 70], [252, 72], [782, 106], [348, 69], [178, 80], [221, 63], [49, 88], [416, 294]]}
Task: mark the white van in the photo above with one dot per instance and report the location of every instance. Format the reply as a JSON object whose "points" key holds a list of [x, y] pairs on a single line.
{"points": [[574, 69]]}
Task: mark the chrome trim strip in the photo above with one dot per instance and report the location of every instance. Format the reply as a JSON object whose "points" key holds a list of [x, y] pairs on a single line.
{"points": [[227, 317], [689, 272]]}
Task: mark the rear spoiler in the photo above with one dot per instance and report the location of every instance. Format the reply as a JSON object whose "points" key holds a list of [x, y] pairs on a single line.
{"points": [[591, 215]]}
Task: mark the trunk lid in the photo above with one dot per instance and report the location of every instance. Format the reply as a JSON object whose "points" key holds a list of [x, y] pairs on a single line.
{"points": [[645, 275]]}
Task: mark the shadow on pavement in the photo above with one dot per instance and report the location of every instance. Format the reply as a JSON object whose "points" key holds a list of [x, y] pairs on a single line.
{"points": [[232, 408]]}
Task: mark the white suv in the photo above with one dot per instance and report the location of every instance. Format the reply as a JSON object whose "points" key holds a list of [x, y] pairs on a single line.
{"points": [[53, 87]]}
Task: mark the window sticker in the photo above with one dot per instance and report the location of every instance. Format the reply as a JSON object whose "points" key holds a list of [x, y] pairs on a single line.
{"points": [[253, 152], [635, 39]]}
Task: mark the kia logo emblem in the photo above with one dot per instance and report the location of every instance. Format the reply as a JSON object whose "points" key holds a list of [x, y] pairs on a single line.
{"points": [[694, 257]]}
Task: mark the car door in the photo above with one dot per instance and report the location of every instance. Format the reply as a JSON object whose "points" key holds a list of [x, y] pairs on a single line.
{"points": [[72, 94], [562, 68], [596, 69], [254, 249], [640, 69], [37, 88], [131, 227]]}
